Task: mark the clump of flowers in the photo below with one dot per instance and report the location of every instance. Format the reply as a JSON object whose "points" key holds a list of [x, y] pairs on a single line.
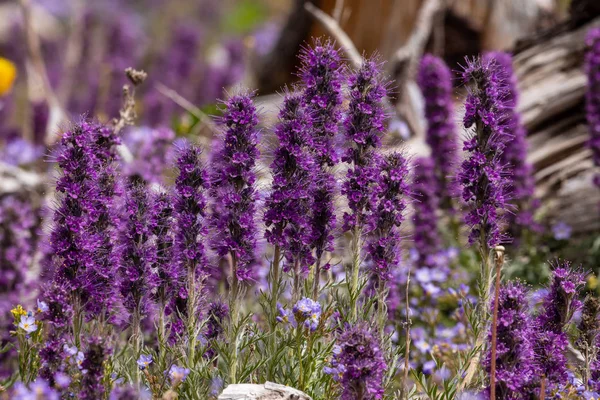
{"points": [[515, 366], [435, 80], [358, 364], [559, 305]]}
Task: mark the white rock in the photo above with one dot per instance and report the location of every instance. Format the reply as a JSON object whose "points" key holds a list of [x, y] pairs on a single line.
{"points": [[268, 391]]}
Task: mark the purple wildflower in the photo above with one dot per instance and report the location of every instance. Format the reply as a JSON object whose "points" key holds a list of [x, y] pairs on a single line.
{"points": [[383, 226], [97, 353], [322, 78], [435, 81], [322, 96], [514, 156], [164, 272], [178, 374], [38, 389], [136, 251], [364, 126], [71, 246], [558, 308], [426, 233], [287, 215], [358, 364], [592, 97], [100, 279], [483, 176], [233, 186], [514, 350], [307, 312], [144, 361], [190, 224]]}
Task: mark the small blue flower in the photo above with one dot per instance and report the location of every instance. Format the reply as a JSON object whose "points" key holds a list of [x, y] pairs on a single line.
{"points": [[561, 231], [28, 324], [309, 311], [62, 380], [42, 306], [144, 361], [178, 374]]}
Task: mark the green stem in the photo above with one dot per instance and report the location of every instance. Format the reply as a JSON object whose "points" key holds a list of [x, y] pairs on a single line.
{"points": [[316, 283], [299, 356], [191, 314], [355, 274], [234, 307], [296, 293], [136, 336]]}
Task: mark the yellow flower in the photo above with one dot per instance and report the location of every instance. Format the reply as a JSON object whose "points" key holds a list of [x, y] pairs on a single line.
{"points": [[8, 73], [18, 312], [592, 282]]}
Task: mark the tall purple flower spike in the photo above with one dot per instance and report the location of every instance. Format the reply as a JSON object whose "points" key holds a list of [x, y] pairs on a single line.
{"points": [[364, 128], [358, 364], [484, 178], [559, 305], [389, 204], [100, 282], [426, 234], [136, 252], [233, 186], [515, 364], [322, 78], [592, 96], [288, 207], [435, 80], [514, 156], [190, 224]]}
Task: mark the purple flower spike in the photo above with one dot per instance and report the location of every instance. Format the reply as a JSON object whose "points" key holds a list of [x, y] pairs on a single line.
{"points": [[165, 273], [515, 364], [72, 247], [190, 225], [358, 364], [287, 215], [137, 251], [559, 305], [388, 208], [92, 386], [514, 156], [426, 233], [322, 77], [483, 176], [233, 186], [592, 96], [435, 81], [364, 128]]}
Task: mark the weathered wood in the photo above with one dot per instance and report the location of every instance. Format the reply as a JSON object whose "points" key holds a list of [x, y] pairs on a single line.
{"points": [[552, 86], [268, 391]]}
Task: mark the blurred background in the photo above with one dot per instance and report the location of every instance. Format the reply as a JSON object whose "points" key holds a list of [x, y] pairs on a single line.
{"points": [[65, 58]]}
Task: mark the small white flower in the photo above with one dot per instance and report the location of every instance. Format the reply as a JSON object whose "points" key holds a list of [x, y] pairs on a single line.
{"points": [[28, 324]]}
